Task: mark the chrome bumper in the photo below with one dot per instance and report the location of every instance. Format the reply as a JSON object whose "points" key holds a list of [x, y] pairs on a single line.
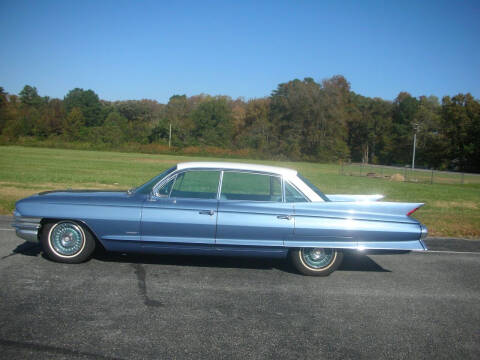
{"points": [[423, 235], [27, 227]]}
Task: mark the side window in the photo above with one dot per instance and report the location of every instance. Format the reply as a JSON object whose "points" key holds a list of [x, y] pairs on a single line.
{"points": [[196, 184], [292, 194], [165, 190], [254, 187]]}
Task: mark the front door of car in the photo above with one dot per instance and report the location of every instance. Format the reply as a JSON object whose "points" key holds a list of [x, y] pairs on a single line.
{"points": [[183, 210], [251, 211]]}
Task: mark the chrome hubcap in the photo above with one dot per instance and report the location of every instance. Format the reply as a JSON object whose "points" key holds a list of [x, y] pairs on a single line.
{"points": [[66, 239], [317, 257]]}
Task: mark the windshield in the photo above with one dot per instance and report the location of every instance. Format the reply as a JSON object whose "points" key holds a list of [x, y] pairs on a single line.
{"points": [[148, 186], [313, 187]]}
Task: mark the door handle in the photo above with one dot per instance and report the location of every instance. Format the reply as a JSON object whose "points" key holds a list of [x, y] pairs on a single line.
{"points": [[206, 212], [284, 217]]}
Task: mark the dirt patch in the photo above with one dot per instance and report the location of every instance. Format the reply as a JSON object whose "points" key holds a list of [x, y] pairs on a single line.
{"points": [[456, 204], [397, 177], [16, 193]]}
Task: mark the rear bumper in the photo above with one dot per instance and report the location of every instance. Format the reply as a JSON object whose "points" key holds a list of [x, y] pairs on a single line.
{"points": [[27, 227], [423, 235], [423, 232]]}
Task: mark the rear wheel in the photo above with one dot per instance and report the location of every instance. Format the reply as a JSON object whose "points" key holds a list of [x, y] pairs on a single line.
{"points": [[316, 261], [67, 241]]}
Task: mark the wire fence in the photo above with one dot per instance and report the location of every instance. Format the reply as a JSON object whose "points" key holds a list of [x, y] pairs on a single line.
{"points": [[407, 174]]}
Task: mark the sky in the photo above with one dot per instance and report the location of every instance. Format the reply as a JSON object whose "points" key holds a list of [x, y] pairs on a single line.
{"points": [[155, 49]]}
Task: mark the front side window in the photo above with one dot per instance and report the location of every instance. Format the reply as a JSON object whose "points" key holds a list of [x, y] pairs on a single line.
{"points": [[166, 188], [198, 184], [253, 187], [148, 186]]}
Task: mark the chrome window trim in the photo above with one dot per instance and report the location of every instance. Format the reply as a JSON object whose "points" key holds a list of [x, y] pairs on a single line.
{"points": [[283, 189], [301, 193], [293, 179], [254, 172], [304, 188], [175, 174], [220, 182]]}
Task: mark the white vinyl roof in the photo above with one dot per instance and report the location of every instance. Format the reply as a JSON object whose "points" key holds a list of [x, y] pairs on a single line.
{"points": [[236, 166]]}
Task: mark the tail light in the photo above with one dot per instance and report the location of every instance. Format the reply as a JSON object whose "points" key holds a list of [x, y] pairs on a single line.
{"points": [[412, 211]]}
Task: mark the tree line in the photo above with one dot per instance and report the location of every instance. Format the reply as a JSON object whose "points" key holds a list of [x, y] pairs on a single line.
{"points": [[301, 120]]}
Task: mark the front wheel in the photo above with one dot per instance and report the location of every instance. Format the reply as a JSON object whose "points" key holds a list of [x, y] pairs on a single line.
{"points": [[67, 241], [316, 261]]}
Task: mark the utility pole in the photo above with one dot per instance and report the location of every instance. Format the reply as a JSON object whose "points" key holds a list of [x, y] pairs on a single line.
{"points": [[170, 136], [414, 145]]}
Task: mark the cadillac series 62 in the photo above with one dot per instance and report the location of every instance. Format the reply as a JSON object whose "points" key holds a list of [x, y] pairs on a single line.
{"points": [[219, 208]]}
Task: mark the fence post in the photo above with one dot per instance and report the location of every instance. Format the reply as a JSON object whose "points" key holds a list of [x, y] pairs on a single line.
{"points": [[405, 174], [431, 178], [361, 168]]}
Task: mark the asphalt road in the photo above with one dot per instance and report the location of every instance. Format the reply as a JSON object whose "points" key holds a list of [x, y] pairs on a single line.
{"points": [[398, 306]]}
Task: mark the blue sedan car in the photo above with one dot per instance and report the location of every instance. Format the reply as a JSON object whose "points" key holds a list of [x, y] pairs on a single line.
{"points": [[219, 208]]}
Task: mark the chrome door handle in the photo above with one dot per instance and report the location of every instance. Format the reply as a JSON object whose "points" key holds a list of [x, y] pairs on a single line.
{"points": [[284, 217], [206, 212]]}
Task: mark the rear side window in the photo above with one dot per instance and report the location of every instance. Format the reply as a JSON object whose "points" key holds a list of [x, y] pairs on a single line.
{"points": [[197, 184], [292, 194], [252, 187]]}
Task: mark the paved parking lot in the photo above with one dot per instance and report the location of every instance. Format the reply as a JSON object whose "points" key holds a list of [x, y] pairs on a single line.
{"points": [[414, 305]]}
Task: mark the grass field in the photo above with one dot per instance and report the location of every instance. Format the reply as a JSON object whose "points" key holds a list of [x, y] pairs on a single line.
{"points": [[451, 209]]}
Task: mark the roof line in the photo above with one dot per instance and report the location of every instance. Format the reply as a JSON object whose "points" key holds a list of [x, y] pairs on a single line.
{"points": [[236, 166]]}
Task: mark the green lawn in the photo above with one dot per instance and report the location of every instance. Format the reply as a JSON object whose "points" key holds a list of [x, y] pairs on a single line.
{"points": [[451, 209]]}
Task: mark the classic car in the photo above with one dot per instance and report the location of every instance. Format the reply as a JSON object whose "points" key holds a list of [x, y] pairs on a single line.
{"points": [[219, 208]]}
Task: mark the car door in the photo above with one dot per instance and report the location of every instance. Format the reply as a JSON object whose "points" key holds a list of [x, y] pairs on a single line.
{"points": [[183, 210], [252, 212]]}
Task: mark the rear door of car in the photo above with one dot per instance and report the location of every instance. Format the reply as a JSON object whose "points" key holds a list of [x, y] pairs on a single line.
{"points": [[252, 211], [183, 210]]}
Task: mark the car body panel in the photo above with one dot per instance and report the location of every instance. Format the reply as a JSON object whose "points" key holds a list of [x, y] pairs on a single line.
{"points": [[177, 220], [247, 223], [111, 216]]}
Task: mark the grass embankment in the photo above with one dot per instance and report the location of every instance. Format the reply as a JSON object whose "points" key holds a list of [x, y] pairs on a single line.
{"points": [[451, 210]]}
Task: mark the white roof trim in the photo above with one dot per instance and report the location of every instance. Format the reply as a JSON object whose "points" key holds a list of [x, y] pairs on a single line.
{"points": [[236, 166]]}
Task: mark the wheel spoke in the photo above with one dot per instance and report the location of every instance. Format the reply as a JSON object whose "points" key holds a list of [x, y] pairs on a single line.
{"points": [[66, 239], [317, 258]]}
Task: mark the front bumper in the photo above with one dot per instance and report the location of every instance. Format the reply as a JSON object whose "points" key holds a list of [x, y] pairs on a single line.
{"points": [[27, 227]]}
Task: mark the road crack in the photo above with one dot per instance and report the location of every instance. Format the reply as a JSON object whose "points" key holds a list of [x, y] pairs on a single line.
{"points": [[142, 286]]}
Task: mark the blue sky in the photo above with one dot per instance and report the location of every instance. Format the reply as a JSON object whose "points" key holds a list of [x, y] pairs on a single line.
{"points": [[154, 49]]}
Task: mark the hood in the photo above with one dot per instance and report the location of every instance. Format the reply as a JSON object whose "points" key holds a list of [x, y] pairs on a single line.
{"points": [[80, 197], [82, 192]]}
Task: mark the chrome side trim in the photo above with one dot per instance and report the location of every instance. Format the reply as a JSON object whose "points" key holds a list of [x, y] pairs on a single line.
{"points": [[27, 227], [416, 245], [423, 244], [413, 245]]}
